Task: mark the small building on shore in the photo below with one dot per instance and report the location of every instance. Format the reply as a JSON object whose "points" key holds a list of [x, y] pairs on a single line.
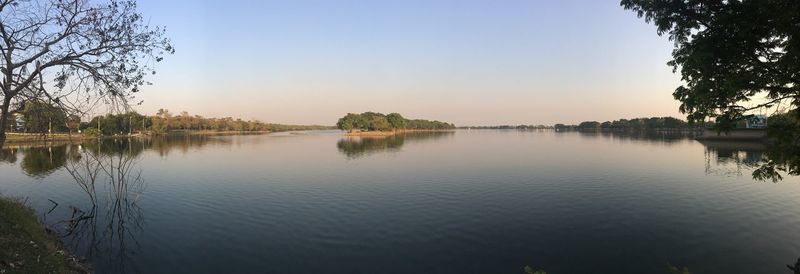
{"points": [[753, 121], [749, 128], [17, 122]]}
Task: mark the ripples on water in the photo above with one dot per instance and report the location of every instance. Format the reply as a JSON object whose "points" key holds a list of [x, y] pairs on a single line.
{"points": [[449, 202]]}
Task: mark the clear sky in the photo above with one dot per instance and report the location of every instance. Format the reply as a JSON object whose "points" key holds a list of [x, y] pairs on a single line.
{"points": [[467, 62]]}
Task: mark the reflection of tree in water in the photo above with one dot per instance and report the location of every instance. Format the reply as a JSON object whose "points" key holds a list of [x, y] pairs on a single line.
{"points": [[649, 136], [355, 147], [42, 159], [38, 162], [783, 156], [765, 161], [732, 157], [768, 160], [183, 143], [104, 226], [8, 155], [162, 145], [107, 227]]}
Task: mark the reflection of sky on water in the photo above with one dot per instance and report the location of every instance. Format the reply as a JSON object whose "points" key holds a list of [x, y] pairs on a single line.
{"points": [[193, 204]]}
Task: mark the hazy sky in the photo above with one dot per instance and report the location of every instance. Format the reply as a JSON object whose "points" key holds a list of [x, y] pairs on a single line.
{"points": [[467, 62]]}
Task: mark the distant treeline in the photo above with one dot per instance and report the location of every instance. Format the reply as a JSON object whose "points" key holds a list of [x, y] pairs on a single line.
{"points": [[653, 123], [374, 121], [164, 121], [41, 117], [521, 127]]}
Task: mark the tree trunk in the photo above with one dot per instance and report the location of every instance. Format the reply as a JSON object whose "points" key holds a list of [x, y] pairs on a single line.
{"points": [[4, 121]]}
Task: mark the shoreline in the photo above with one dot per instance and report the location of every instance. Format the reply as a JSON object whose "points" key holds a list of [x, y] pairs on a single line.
{"points": [[30, 246], [750, 134], [32, 138], [12, 137]]}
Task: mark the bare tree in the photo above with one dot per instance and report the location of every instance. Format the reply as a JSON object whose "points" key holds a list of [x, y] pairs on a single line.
{"points": [[75, 54]]}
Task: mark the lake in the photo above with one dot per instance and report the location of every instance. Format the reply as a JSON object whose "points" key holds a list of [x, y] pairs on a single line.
{"points": [[469, 201]]}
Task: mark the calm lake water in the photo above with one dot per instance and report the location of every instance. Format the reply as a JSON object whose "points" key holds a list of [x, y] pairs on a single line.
{"points": [[460, 202]]}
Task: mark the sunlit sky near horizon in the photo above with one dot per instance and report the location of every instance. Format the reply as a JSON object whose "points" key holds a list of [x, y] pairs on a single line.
{"points": [[466, 62]]}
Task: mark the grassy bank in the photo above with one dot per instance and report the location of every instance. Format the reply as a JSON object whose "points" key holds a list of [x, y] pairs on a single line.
{"points": [[27, 247], [38, 137]]}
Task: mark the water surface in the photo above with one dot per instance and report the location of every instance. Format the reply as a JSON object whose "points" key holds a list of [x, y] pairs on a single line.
{"points": [[480, 201]]}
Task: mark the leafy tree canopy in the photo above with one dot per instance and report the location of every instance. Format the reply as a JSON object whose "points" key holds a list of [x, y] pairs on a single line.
{"points": [[74, 53], [729, 53]]}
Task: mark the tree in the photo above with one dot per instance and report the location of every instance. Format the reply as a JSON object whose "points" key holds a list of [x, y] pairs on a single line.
{"points": [[348, 122], [729, 53], [185, 120], [41, 117], [379, 123], [589, 125], [396, 121], [161, 122], [74, 53]]}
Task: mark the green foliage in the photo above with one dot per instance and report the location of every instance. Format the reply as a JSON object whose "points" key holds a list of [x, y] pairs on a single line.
{"points": [[589, 125], [113, 124], [396, 120], [350, 121], [373, 121], [783, 155], [653, 123], [379, 123], [41, 117], [92, 132], [164, 121], [729, 52]]}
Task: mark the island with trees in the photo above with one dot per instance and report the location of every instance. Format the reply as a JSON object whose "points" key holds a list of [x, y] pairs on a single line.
{"points": [[379, 124]]}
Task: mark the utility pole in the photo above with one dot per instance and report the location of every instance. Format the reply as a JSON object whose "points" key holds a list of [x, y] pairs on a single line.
{"points": [[130, 125]]}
